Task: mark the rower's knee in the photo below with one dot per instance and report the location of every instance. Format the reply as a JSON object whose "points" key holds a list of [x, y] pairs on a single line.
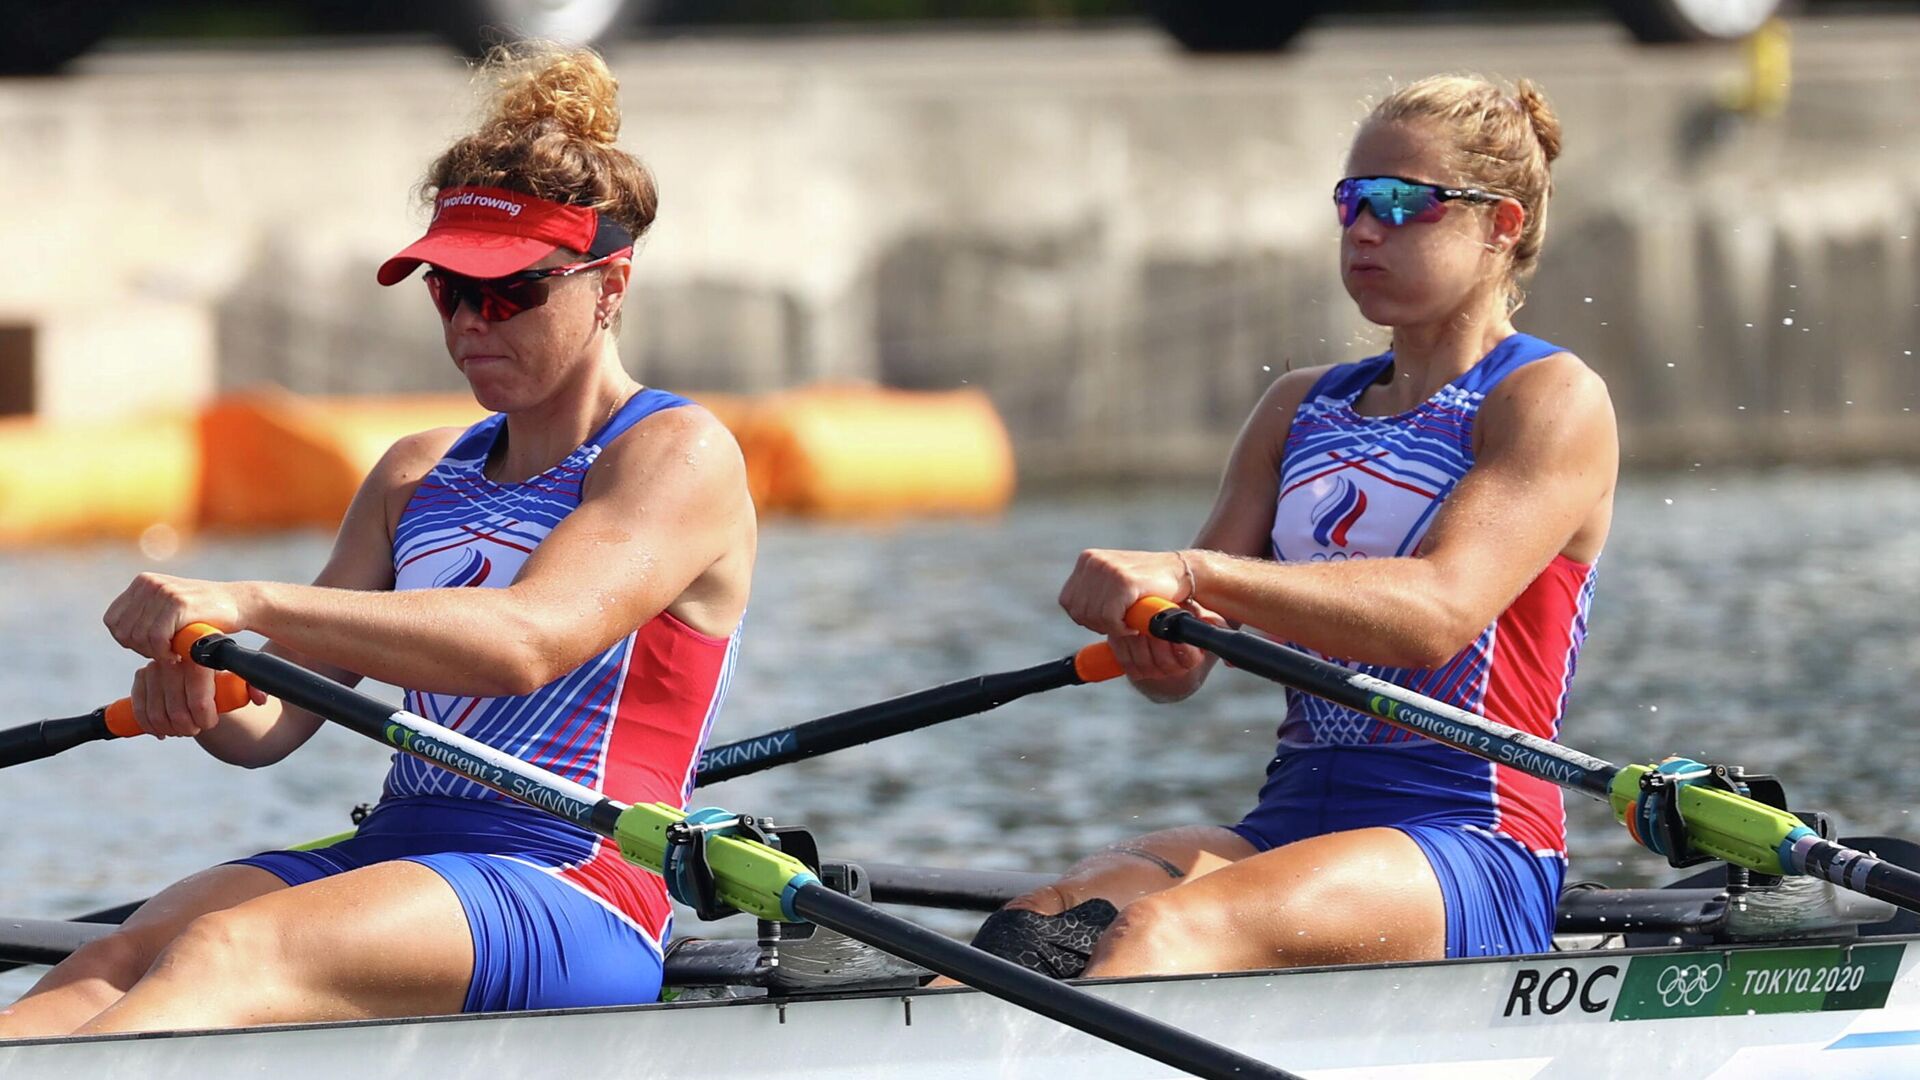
{"points": [[216, 945], [1152, 933], [1045, 900], [117, 959]]}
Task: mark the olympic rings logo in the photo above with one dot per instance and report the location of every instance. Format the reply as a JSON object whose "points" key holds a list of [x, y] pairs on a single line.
{"points": [[1689, 984]]}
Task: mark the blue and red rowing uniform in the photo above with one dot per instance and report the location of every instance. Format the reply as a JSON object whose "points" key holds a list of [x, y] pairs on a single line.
{"points": [[558, 917], [1365, 487]]}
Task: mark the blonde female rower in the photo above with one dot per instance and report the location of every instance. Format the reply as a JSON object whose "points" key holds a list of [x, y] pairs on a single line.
{"points": [[1430, 515]]}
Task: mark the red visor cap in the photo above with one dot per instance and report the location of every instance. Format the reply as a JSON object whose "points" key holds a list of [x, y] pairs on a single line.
{"points": [[491, 232]]}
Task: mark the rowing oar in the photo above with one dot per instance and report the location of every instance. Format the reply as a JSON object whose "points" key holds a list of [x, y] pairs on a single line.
{"points": [[909, 712], [1669, 808], [869, 723], [31, 742], [749, 876]]}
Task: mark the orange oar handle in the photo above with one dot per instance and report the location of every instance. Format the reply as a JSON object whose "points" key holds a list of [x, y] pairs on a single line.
{"points": [[184, 638], [1096, 663], [230, 691], [1144, 609]]}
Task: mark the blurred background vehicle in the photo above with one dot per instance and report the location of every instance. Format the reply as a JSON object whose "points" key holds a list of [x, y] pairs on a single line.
{"points": [[42, 35]]}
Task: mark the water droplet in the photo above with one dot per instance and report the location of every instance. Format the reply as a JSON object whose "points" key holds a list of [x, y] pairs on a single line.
{"points": [[1788, 321], [1589, 299], [1266, 367], [1669, 502]]}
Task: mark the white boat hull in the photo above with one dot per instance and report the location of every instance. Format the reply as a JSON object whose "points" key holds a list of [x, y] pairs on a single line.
{"points": [[1745, 1012]]}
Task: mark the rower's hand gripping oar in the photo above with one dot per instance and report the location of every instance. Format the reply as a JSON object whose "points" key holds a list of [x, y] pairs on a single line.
{"points": [[1674, 809], [748, 875], [909, 712], [31, 742]]}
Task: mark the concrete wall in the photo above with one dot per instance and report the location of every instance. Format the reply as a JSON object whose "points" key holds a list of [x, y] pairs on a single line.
{"points": [[1116, 240]]}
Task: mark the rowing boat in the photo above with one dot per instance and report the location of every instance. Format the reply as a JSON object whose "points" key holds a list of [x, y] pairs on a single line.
{"points": [[1783, 962], [1780, 1008], [1774, 980]]}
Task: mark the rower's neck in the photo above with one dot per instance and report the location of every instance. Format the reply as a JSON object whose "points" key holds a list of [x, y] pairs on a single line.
{"points": [[541, 435], [1427, 357]]}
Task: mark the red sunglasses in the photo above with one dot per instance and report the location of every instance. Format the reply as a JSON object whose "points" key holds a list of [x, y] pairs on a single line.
{"points": [[501, 298]]}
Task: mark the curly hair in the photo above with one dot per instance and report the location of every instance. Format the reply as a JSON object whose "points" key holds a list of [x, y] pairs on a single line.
{"points": [[555, 113]]}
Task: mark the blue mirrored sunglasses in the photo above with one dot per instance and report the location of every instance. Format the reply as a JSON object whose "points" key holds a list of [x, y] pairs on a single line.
{"points": [[1395, 200]]}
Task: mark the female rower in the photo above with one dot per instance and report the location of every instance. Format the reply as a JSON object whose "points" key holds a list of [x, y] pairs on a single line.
{"points": [[563, 581], [1431, 516]]}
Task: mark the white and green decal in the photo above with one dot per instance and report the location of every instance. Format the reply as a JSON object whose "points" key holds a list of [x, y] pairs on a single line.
{"points": [[1738, 982]]}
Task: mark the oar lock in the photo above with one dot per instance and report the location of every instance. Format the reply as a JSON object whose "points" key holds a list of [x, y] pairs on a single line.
{"points": [[1655, 820], [690, 879]]}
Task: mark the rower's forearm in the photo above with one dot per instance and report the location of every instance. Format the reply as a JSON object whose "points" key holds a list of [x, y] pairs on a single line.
{"points": [[1177, 687], [245, 736], [1378, 611], [364, 632], [1167, 691]]}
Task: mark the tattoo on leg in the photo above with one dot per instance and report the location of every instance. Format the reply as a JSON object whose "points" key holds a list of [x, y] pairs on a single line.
{"points": [[1172, 870]]}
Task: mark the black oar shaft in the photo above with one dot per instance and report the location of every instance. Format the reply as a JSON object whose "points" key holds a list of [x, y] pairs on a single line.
{"points": [[909, 712], [1862, 872], [943, 887], [45, 738], [1095, 1015]]}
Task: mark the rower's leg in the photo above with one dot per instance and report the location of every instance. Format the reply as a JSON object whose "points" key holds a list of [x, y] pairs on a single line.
{"points": [[1131, 869], [1363, 896], [1120, 874], [99, 972], [389, 939]]}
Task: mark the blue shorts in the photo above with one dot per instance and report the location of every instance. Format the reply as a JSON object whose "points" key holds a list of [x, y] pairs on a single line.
{"points": [[538, 942], [1500, 898]]}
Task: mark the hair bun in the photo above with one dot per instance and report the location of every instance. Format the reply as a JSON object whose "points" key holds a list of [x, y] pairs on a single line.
{"points": [[1540, 116], [545, 85]]}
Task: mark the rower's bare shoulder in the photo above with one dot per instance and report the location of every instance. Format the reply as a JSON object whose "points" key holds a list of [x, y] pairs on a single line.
{"points": [[685, 446], [413, 456], [689, 433], [391, 482], [1561, 376], [1274, 414], [1555, 399], [1291, 388]]}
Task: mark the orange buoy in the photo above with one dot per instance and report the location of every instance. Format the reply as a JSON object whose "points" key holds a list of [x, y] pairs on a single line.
{"points": [[273, 459], [76, 480], [849, 452]]}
